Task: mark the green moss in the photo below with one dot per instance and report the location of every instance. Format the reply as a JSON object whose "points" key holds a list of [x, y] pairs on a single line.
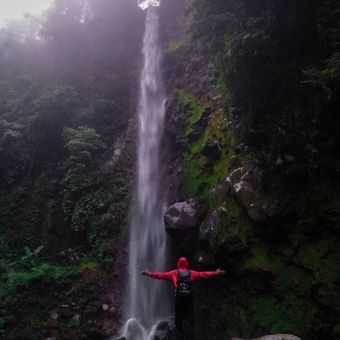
{"points": [[194, 109], [220, 170], [260, 259], [198, 146], [265, 310], [195, 174], [288, 314], [293, 277], [204, 173], [175, 45], [233, 231], [29, 310]]}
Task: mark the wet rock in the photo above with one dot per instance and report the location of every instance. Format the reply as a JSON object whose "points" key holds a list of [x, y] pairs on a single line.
{"points": [[273, 337], [182, 217], [162, 331], [105, 307], [76, 317], [54, 315], [112, 310], [247, 187], [279, 162], [90, 312], [289, 158], [133, 330], [165, 330], [211, 222], [76, 308]]}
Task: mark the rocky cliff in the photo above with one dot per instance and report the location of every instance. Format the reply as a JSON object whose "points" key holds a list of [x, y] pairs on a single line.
{"points": [[254, 181]]}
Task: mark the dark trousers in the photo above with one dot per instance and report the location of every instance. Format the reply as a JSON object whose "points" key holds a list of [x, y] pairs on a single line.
{"points": [[184, 316]]}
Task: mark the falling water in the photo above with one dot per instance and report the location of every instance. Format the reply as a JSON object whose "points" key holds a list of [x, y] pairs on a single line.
{"points": [[146, 301]]}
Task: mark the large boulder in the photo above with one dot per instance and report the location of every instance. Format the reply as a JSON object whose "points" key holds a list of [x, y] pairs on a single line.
{"points": [[182, 218], [246, 184], [273, 337], [211, 222]]}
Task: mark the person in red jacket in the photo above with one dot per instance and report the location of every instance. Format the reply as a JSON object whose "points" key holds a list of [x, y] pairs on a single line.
{"points": [[182, 279]]}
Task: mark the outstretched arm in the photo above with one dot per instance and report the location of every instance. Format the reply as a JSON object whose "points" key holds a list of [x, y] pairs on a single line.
{"points": [[206, 275], [158, 275]]}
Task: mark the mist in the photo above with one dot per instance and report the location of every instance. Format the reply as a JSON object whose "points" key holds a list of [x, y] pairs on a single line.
{"points": [[137, 132]]}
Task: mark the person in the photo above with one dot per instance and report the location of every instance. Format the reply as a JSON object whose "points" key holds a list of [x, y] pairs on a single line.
{"points": [[182, 279]]}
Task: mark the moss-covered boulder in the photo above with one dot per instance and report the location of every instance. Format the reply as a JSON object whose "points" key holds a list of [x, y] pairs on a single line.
{"points": [[182, 217]]}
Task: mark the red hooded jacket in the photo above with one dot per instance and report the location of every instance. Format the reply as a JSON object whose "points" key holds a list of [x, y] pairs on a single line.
{"points": [[182, 265]]}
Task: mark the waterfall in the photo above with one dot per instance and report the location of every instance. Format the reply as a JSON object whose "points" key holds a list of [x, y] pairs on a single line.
{"points": [[147, 301]]}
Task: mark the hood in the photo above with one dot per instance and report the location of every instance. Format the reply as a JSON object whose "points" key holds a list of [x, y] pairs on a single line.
{"points": [[182, 263]]}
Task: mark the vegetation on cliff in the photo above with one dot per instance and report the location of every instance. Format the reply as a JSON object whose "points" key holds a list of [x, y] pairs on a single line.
{"points": [[258, 102], [67, 85]]}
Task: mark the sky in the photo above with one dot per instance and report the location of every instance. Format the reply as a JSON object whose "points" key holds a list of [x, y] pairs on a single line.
{"points": [[15, 9], [143, 4]]}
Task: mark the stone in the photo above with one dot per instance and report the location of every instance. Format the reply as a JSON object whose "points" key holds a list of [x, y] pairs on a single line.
{"points": [[247, 187], [76, 317], [165, 330], [182, 217], [273, 337], [279, 162], [105, 307], [54, 315], [112, 310], [210, 223], [133, 330], [289, 158], [162, 331]]}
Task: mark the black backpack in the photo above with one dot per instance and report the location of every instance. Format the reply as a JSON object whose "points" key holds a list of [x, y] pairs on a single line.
{"points": [[184, 284]]}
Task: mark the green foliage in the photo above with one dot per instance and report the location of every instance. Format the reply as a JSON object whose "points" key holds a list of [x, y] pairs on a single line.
{"points": [[203, 173], [278, 73], [64, 97], [29, 269], [22, 284], [195, 179], [193, 107], [288, 315], [85, 147], [175, 45], [265, 309], [260, 260], [83, 144]]}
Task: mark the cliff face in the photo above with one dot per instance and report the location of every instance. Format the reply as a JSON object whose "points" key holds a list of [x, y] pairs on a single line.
{"points": [[253, 93]]}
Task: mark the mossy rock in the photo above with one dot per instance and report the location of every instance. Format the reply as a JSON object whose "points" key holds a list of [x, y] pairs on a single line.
{"points": [[233, 232]]}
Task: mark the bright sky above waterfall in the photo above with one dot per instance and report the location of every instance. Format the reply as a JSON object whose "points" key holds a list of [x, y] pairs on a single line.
{"points": [[144, 4], [15, 9]]}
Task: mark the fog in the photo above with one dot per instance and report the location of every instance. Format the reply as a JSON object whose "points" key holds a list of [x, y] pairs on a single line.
{"points": [[16, 9], [87, 55]]}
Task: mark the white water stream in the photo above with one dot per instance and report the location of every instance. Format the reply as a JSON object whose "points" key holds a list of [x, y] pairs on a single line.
{"points": [[146, 301]]}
